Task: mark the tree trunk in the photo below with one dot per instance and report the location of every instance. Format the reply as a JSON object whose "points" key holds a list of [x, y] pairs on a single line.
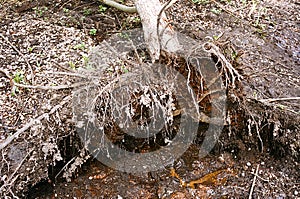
{"points": [[158, 36], [158, 32]]}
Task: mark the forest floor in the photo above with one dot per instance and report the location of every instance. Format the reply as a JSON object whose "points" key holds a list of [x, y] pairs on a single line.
{"points": [[44, 44]]}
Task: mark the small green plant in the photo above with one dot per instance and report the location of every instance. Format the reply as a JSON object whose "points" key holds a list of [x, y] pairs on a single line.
{"points": [[80, 46], [38, 63], [216, 37], [234, 55], [124, 69], [72, 65], [66, 10], [102, 8], [85, 61], [19, 77], [30, 49], [110, 69], [136, 19], [39, 11], [87, 11], [93, 31], [255, 94]]}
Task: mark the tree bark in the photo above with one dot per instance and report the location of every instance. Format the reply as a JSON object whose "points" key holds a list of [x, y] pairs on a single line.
{"points": [[158, 32]]}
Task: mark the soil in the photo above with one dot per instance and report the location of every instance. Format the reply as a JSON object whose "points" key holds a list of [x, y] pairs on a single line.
{"points": [[46, 43]]}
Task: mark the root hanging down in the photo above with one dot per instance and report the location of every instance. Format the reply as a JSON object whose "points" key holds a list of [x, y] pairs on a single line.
{"points": [[226, 65]]}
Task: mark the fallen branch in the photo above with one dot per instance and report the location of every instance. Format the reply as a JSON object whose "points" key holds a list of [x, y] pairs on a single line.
{"points": [[129, 9], [66, 73], [32, 122]]}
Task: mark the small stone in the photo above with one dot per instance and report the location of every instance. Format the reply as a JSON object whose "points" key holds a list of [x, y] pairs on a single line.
{"points": [[248, 164]]}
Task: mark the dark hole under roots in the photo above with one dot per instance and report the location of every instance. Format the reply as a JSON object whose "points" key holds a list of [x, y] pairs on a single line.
{"points": [[43, 188]]}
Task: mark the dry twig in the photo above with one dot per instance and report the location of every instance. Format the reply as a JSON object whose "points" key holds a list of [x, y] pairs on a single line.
{"points": [[60, 87], [253, 183], [66, 73], [279, 99], [5, 73]]}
